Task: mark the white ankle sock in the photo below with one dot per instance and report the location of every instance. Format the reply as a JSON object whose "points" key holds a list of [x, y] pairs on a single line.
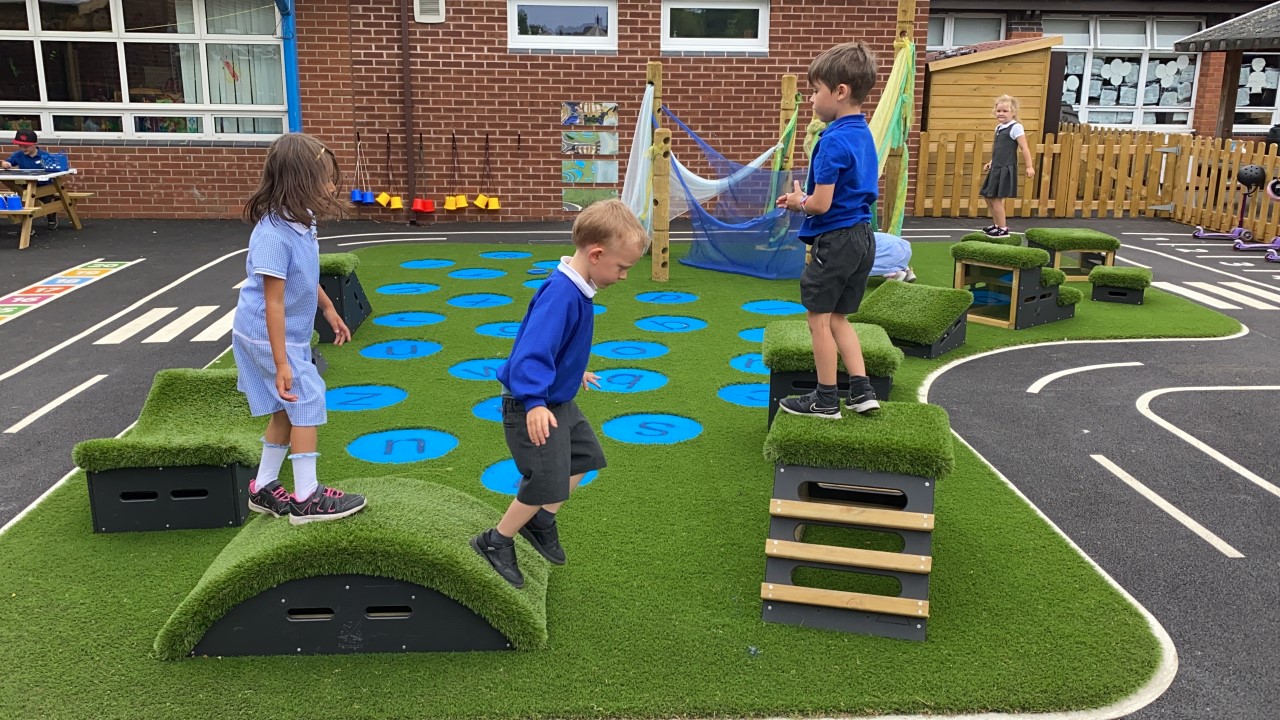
{"points": [[304, 475], [269, 466]]}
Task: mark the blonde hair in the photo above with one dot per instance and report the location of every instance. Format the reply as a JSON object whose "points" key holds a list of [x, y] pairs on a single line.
{"points": [[851, 64], [1009, 100], [295, 181], [608, 223]]}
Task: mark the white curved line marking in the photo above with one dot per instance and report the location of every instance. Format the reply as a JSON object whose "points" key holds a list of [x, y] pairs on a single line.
{"points": [[1038, 385], [1168, 507], [1144, 407]]}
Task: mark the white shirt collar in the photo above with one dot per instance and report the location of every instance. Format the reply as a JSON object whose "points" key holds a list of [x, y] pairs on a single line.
{"points": [[587, 287]]}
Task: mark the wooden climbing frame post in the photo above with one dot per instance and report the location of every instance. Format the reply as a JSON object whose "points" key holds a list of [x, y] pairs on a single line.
{"points": [[660, 212]]}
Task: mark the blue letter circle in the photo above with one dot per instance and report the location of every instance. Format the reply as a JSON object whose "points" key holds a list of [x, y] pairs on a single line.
{"points": [[363, 397], [645, 429], [402, 446]]}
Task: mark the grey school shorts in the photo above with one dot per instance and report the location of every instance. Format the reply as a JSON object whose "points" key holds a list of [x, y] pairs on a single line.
{"points": [[572, 448], [835, 279]]}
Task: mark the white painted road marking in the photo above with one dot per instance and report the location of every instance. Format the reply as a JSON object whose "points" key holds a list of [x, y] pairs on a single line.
{"points": [[1272, 296], [1144, 407], [133, 327], [1168, 507], [219, 328], [16, 427], [1197, 296], [1233, 296], [179, 325], [1038, 385]]}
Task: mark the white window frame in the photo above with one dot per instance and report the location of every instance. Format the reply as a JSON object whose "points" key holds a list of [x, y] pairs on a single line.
{"points": [[759, 44], [560, 42], [1083, 109], [127, 110], [948, 31], [1254, 129]]}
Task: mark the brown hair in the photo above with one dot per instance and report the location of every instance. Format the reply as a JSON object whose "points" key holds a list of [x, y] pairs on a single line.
{"points": [[295, 181], [851, 64], [1009, 100], [608, 223]]}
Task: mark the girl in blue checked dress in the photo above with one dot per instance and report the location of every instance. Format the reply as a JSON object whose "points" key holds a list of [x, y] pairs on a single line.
{"points": [[271, 334]]}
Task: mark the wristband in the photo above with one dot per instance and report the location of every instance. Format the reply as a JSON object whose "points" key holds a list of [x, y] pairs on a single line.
{"points": [[803, 199]]}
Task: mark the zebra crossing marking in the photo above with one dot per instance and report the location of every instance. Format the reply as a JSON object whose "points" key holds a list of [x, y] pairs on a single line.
{"points": [[180, 325], [1233, 296], [218, 329], [133, 327]]}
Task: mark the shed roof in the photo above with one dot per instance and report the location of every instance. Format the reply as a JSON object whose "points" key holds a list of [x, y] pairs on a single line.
{"points": [[979, 52], [1257, 30]]}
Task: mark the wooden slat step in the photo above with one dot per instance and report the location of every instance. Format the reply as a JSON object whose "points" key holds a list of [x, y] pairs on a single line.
{"points": [[853, 557], [851, 515], [845, 600], [80, 195]]}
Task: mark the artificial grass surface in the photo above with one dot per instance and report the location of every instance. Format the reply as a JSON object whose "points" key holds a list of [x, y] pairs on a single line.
{"points": [[1132, 278], [788, 347], [1072, 239], [340, 264], [657, 612], [386, 539], [1002, 255], [190, 417], [1069, 296], [906, 438], [914, 312], [1014, 239], [1050, 277]]}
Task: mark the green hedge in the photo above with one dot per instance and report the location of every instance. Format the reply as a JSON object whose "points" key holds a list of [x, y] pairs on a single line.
{"points": [[1072, 239], [1069, 296], [788, 347], [1050, 277], [190, 417], [903, 438], [414, 531], [1133, 278], [1010, 239], [339, 264], [914, 312], [1002, 255]]}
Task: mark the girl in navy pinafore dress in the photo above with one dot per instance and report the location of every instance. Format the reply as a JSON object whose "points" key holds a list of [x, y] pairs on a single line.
{"points": [[271, 333], [1002, 170]]}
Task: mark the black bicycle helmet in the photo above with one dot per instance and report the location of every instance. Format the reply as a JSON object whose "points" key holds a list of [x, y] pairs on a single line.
{"points": [[1252, 176]]}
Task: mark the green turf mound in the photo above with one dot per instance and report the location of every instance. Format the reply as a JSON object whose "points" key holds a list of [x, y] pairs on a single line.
{"points": [[1010, 239], [914, 312], [788, 347], [1069, 296], [413, 531], [1065, 239], [338, 263], [1051, 277], [1002, 255], [190, 417], [903, 438], [1132, 278]]}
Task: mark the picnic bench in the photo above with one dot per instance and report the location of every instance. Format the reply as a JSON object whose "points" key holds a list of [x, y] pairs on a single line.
{"points": [[40, 200]]}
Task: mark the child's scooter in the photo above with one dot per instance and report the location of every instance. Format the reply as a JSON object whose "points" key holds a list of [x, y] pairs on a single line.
{"points": [[1252, 177], [1273, 192], [1273, 256]]}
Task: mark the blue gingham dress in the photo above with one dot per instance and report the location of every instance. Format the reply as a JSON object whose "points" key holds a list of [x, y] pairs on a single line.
{"points": [[290, 251]]}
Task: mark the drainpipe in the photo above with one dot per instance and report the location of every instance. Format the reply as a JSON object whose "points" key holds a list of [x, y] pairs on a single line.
{"points": [[406, 11], [292, 88]]}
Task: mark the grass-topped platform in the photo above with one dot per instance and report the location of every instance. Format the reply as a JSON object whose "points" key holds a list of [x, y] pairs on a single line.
{"points": [[1120, 284], [185, 464], [414, 532], [923, 320], [655, 615], [979, 236], [901, 438], [343, 263], [339, 281], [1003, 256], [1075, 251], [788, 353]]}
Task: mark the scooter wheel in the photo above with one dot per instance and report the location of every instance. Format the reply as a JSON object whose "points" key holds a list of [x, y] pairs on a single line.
{"points": [[1246, 236], [1273, 189]]}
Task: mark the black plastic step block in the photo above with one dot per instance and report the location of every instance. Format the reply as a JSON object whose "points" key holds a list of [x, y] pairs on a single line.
{"points": [[348, 299], [172, 498]]}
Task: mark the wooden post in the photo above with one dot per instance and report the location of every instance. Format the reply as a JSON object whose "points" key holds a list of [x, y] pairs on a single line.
{"points": [[660, 213], [906, 20], [787, 108], [653, 76], [1227, 96]]}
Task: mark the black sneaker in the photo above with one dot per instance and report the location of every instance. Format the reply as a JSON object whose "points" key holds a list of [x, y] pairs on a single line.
{"points": [[810, 405], [501, 557], [270, 499], [546, 540], [51, 221], [325, 504], [862, 398], [998, 232], [989, 228]]}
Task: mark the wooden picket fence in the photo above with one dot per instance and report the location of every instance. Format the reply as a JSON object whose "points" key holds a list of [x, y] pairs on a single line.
{"points": [[1087, 172]]}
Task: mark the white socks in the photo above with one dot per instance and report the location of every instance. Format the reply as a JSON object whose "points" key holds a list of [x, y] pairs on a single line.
{"points": [[304, 475], [269, 466]]}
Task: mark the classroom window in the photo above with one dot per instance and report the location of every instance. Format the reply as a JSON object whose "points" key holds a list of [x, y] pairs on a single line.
{"points": [[564, 25], [1256, 93], [729, 26], [1122, 71], [951, 30], [140, 68]]}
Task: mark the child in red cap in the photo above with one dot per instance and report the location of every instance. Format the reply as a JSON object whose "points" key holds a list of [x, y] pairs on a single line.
{"points": [[31, 157]]}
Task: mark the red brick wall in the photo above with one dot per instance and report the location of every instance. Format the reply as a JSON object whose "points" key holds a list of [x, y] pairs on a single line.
{"points": [[466, 82], [1208, 93]]}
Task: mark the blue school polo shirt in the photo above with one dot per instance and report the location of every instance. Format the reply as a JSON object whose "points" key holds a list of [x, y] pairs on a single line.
{"points": [[845, 156]]}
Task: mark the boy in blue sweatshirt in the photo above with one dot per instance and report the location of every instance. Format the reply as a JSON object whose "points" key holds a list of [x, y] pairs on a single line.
{"points": [[30, 156], [550, 439]]}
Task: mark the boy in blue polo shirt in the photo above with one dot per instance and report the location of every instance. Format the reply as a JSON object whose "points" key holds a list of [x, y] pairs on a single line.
{"points": [[550, 439], [30, 156], [842, 186]]}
